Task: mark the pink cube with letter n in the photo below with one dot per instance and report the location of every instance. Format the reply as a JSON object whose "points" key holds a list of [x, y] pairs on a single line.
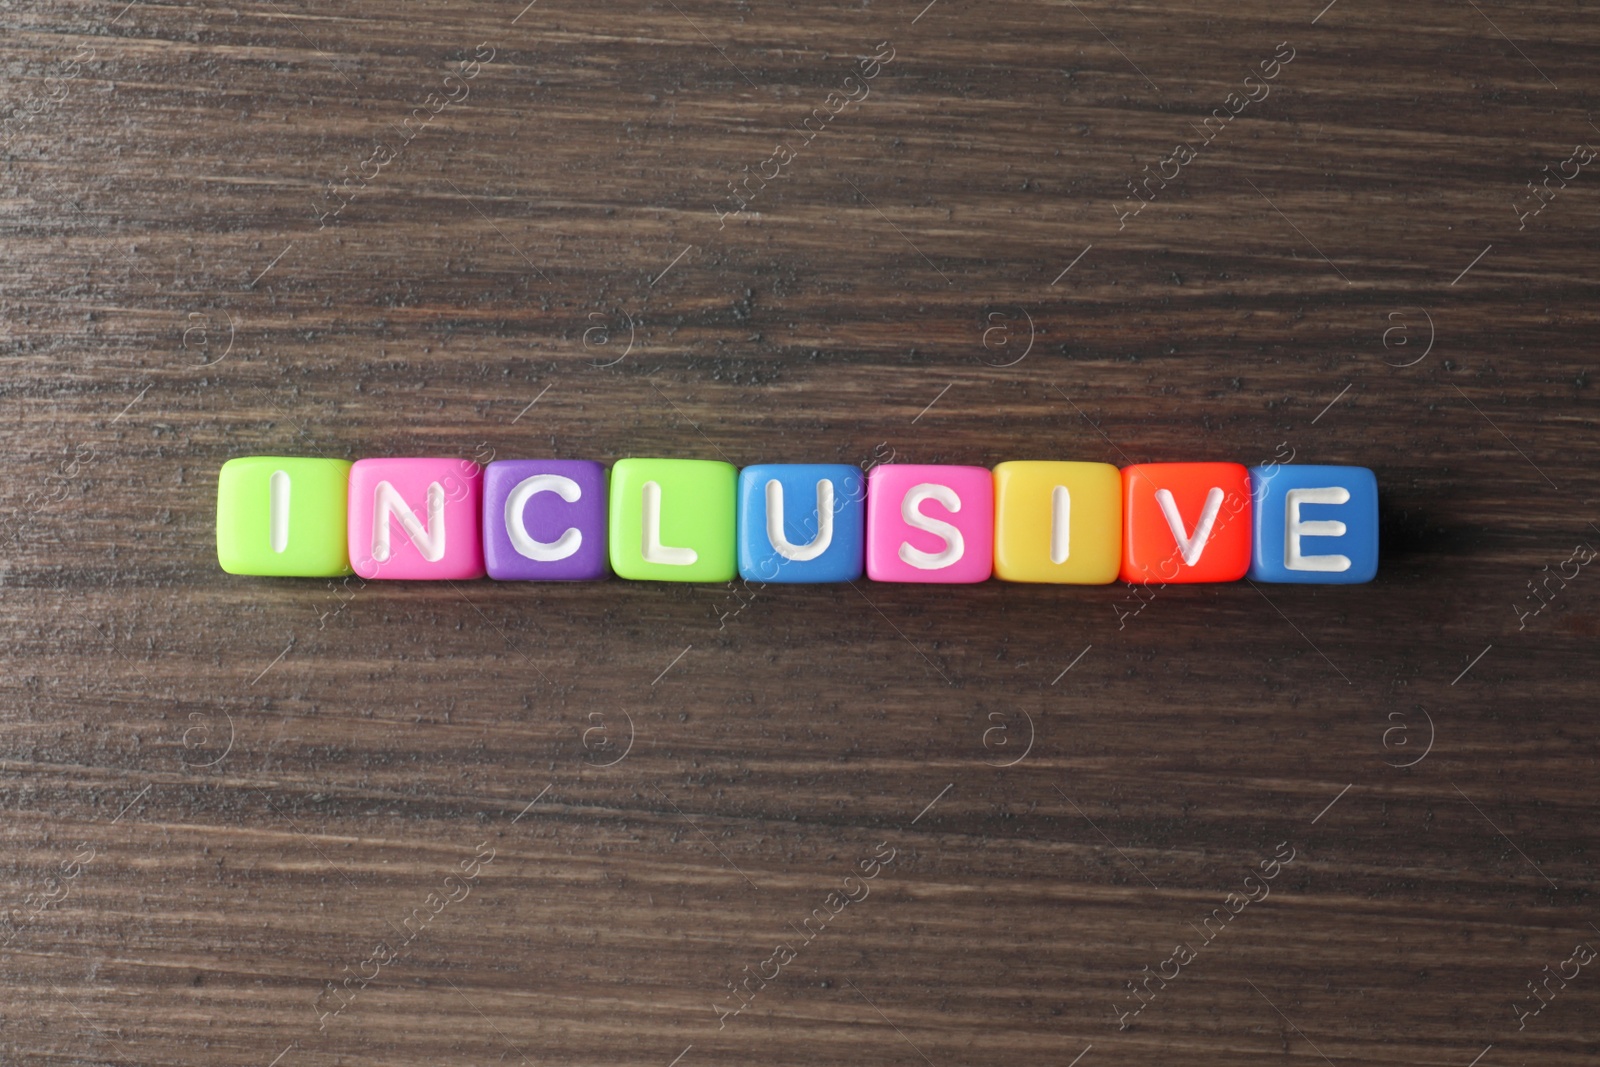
{"points": [[416, 519]]}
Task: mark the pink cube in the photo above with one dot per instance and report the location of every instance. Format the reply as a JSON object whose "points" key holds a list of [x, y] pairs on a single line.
{"points": [[416, 518], [930, 523]]}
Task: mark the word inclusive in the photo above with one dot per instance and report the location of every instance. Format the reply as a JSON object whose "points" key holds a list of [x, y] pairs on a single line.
{"points": [[685, 520]]}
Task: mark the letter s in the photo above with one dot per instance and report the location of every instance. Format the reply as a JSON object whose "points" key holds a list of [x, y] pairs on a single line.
{"points": [[955, 545]]}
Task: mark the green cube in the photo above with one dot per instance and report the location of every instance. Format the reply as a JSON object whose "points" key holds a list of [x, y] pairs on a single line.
{"points": [[283, 516], [673, 520]]}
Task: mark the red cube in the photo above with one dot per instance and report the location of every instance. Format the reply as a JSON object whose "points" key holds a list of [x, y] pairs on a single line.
{"points": [[1185, 522]]}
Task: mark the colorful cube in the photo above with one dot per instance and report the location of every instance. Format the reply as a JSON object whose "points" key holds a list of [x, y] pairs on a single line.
{"points": [[1057, 522], [283, 516], [1314, 524], [545, 520], [929, 523], [801, 522], [1185, 522], [673, 520], [416, 518]]}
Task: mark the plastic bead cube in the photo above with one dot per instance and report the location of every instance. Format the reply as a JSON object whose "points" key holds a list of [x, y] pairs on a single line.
{"points": [[416, 518], [1185, 522], [282, 516], [1057, 522], [930, 523], [801, 522], [673, 520], [545, 520], [1314, 524]]}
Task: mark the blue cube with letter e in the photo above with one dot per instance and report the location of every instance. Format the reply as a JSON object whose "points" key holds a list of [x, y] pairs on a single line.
{"points": [[1316, 524]]}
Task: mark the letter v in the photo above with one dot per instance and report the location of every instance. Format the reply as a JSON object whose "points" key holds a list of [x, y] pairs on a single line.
{"points": [[1191, 545]]}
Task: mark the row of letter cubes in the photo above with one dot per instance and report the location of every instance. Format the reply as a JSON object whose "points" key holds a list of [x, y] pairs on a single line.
{"points": [[680, 520]]}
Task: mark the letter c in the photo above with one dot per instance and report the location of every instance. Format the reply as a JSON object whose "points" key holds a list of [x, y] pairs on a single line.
{"points": [[517, 529]]}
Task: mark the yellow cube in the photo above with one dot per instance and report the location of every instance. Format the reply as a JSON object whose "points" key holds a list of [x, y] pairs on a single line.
{"points": [[1057, 522]]}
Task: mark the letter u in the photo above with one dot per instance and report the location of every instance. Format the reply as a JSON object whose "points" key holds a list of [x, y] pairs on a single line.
{"points": [[818, 544]]}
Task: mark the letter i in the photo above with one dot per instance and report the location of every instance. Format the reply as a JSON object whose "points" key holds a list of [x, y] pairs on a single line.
{"points": [[1060, 524], [278, 490]]}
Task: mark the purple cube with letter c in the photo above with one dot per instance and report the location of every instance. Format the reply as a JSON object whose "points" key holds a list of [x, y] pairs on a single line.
{"points": [[545, 520]]}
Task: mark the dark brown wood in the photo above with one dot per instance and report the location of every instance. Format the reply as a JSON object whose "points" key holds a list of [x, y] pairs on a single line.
{"points": [[223, 793]]}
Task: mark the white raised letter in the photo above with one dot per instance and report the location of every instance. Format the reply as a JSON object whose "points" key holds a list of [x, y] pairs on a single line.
{"points": [[955, 545], [1294, 529], [387, 503], [1190, 546], [818, 544], [1060, 524], [653, 550], [517, 530], [278, 487]]}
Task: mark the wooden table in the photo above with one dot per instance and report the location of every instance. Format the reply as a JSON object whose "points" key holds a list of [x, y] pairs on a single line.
{"points": [[291, 822]]}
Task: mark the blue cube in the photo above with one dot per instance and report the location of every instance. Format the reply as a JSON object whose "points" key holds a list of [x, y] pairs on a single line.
{"points": [[1314, 524], [802, 522]]}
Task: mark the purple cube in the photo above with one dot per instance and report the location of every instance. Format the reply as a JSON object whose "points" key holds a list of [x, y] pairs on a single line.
{"points": [[545, 520]]}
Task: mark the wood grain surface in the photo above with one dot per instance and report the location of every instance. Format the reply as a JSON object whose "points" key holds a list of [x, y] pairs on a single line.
{"points": [[296, 822]]}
